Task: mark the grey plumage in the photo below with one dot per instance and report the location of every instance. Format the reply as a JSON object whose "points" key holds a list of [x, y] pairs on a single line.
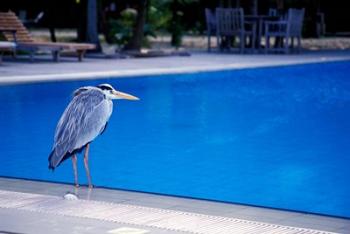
{"points": [[83, 120]]}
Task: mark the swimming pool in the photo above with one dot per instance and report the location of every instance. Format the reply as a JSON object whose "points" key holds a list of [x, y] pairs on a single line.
{"points": [[275, 137]]}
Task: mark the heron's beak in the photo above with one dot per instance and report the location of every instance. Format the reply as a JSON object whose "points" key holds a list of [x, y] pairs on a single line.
{"points": [[121, 95]]}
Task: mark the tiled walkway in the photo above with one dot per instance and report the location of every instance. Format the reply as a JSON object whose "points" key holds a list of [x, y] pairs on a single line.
{"points": [[140, 215], [105, 210], [44, 69]]}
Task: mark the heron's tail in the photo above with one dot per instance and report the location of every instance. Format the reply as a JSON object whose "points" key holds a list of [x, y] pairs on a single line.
{"points": [[51, 164], [57, 156]]}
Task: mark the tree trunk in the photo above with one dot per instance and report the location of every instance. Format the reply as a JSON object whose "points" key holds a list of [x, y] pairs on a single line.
{"points": [[91, 25], [176, 28], [238, 3], [52, 33], [82, 17], [135, 42], [254, 8], [52, 23], [280, 5]]}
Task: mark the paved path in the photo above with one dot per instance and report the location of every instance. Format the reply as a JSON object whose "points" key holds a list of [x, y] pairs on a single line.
{"points": [[44, 69], [145, 217], [40, 207]]}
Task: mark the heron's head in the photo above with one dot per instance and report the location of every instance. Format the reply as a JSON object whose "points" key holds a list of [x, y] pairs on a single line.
{"points": [[111, 93]]}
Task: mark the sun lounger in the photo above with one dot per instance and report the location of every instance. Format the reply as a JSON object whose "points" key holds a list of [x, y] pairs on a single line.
{"points": [[13, 30]]}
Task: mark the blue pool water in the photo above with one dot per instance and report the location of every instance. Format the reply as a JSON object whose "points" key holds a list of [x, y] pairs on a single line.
{"points": [[275, 137]]}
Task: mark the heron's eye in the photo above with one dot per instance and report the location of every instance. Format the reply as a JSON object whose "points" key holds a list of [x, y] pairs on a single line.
{"points": [[105, 87]]}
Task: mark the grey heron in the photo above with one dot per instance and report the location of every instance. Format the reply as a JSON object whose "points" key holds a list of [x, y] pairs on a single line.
{"points": [[85, 117]]}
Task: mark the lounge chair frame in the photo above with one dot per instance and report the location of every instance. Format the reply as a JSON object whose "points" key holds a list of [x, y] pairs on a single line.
{"points": [[6, 47], [13, 30]]}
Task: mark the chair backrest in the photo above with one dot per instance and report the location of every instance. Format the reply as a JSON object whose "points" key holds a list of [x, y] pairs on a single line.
{"points": [[295, 21], [9, 20], [272, 12], [230, 21], [210, 20]]}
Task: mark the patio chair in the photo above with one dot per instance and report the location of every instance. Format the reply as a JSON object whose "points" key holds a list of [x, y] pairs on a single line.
{"points": [[6, 47], [320, 25], [211, 25], [13, 30], [230, 23], [285, 31], [272, 12]]}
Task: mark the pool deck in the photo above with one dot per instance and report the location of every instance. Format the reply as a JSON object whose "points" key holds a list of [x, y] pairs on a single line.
{"points": [[36, 207], [26, 219], [44, 69]]}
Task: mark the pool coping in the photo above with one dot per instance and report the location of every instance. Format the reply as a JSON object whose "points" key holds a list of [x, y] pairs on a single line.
{"points": [[199, 62], [204, 207]]}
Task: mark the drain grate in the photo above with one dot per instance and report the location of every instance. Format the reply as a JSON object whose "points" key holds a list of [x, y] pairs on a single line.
{"points": [[144, 216], [125, 230]]}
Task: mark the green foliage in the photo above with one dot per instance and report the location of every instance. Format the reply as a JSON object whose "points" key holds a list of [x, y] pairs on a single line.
{"points": [[176, 30], [121, 29], [176, 23], [159, 15], [159, 18]]}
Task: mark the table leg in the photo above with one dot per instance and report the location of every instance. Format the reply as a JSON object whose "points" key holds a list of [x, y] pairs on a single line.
{"points": [[260, 25]]}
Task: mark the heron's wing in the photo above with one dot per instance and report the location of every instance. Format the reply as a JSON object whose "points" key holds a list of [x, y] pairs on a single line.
{"points": [[81, 90], [77, 125]]}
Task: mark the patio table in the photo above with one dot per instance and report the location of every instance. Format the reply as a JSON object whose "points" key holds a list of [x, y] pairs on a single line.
{"points": [[259, 19]]}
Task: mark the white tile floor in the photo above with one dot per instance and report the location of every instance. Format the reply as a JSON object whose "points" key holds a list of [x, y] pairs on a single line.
{"points": [[166, 219], [231, 211]]}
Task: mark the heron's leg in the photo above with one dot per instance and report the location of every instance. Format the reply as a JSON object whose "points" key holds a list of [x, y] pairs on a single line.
{"points": [[74, 160], [86, 163]]}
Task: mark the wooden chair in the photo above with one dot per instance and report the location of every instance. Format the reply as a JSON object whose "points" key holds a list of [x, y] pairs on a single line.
{"points": [[320, 25], [272, 12], [284, 31], [230, 23], [211, 25], [13, 30]]}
